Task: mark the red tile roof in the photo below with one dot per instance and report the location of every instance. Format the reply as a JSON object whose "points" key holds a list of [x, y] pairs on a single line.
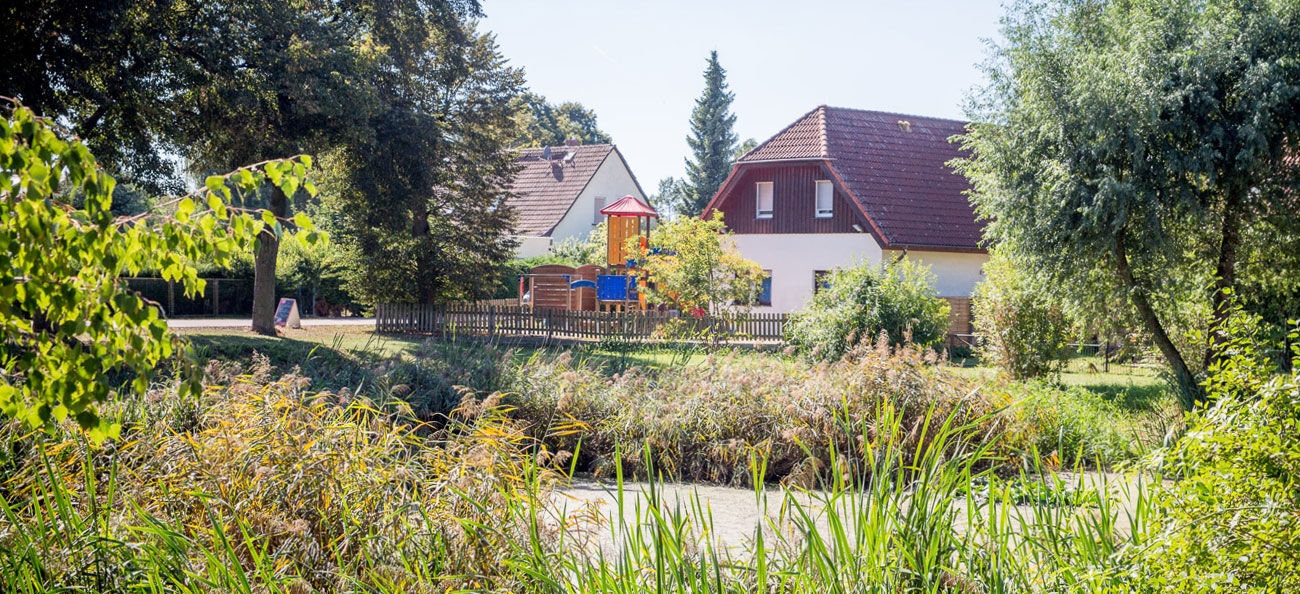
{"points": [[804, 139], [629, 206], [894, 165], [544, 191]]}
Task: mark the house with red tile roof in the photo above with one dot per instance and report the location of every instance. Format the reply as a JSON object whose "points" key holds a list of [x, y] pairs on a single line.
{"points": [[559, 191], [840, 186]]}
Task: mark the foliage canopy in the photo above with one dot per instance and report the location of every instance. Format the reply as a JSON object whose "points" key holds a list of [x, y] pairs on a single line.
{"points": [[67, 323], [695, 266], [1141, 150]]}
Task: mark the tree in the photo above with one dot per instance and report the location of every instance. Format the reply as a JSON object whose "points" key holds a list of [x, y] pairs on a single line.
{"points": [[749, 145], [99, 67], [220, 83], [542, 124], [307, 77], [1135, 149], [697, 266], [712, 139], [67, 322], [672, 198], [420, 204]]}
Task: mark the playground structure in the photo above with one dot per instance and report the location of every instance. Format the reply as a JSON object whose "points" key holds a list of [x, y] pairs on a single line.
{"points": [[618, 287]]}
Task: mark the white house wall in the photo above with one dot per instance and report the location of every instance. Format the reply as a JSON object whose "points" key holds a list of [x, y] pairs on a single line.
{"points": [[532, 246], [611, 182], [792, 259], [955, 273]]}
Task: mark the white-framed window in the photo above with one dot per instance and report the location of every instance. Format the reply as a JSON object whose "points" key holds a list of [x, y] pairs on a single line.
{"points": [[763, 210], [824, 201], [595, 213]]}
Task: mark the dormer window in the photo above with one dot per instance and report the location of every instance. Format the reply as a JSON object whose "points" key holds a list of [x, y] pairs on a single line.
{"points": [[823, 201], [763, 208]]}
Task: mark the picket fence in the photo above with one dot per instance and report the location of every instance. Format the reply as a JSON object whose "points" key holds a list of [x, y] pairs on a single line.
{"points": [[517, 321]]}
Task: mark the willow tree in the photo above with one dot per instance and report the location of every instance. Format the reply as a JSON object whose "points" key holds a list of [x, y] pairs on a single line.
{"points": [[1141, 149]]}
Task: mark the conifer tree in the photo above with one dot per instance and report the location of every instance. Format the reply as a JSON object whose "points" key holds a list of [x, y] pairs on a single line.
{"points": [[712, 140]]}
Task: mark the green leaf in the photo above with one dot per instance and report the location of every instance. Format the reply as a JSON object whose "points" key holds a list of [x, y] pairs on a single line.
{"points": [[184, 209], [215, 183]]}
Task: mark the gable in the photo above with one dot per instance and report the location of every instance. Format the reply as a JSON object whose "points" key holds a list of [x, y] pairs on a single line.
{"points": [[793, 200], [892, 168]]}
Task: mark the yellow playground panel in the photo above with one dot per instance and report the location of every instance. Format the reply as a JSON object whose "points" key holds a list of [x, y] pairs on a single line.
{"points": [[620, 229]]}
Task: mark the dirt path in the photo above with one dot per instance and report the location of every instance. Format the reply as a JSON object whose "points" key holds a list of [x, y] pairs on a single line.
{"points": [[737, 514]]}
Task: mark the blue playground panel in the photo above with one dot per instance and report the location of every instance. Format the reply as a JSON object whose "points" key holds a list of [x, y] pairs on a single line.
{"points": [[615, 287]]}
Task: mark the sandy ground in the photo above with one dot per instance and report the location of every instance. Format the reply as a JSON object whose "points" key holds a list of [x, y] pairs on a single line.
{"points": [[246, 323], [737, 514]]}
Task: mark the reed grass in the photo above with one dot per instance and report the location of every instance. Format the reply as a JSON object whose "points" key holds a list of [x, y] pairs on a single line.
{"points": [[882, 475]]}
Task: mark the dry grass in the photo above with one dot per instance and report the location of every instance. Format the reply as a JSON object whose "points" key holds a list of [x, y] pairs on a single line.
{"points": [[311, 491], [707, 421]]}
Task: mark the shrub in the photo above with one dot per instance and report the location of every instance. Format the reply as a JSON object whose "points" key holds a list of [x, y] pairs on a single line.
{"points": [[1072, 425], [695, 266], [1232, 523], [864, 301], [1022, 333], [507, 285]]}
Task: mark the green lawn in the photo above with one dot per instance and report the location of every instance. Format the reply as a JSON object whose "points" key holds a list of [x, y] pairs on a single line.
{"points": [[1130, 387], [355, 342]]}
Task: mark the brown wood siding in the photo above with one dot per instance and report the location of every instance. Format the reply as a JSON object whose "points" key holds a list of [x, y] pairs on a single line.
{"points": [[794, 194]]}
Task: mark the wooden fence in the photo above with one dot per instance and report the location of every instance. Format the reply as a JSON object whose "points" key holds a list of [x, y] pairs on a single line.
{"points": [[516, 321]]}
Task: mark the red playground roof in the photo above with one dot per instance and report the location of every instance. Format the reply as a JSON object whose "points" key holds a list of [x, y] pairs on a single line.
{"points": [[629, 206]]}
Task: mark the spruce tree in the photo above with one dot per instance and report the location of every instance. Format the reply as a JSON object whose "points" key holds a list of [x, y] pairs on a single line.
{"points": [[712, 140]]}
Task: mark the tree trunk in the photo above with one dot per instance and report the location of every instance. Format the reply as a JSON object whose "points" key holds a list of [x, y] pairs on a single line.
{"points": [[268, 248], [1225, 278], [1189, 392]]}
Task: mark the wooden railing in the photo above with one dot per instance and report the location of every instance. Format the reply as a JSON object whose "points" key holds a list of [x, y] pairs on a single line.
{"points": [[516, 321]]}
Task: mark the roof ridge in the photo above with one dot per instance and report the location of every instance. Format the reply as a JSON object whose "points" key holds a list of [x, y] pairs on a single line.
{"points": [[821, 127], [553, 147], [895, 113]]}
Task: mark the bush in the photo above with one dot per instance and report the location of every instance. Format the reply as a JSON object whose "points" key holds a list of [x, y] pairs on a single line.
{"points": [[862, 302], [507, 285], [1232, 523], [1022, 333]]}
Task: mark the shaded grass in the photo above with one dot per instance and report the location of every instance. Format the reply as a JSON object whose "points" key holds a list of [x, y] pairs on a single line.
{"points": [[1129, 387]]}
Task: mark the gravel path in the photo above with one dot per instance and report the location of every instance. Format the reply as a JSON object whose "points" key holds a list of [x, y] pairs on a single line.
{"points": [[247, 323], [737, 513]]}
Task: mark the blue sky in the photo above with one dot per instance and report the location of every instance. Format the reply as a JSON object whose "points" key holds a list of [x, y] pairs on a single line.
{"points": [[640, 65]]}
